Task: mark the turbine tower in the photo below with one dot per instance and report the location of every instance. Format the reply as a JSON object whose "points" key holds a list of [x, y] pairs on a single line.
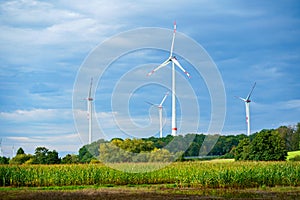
{"points": [[160, 109], [89, 110], [174, 62], [247, 105]]}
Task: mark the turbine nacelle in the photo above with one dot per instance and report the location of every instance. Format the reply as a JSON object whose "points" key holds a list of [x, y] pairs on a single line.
{"points": [[174, 60]]}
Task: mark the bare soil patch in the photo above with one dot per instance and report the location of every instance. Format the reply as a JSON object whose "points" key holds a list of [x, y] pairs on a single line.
{"points": [[146, 193]]}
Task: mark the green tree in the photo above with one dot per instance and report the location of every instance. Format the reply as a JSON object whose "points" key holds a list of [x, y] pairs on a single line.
{"points": [[84, 155], [70, 159], [297, 131], [4, 160], [290, 137], [40, 155], [161, 155], [52, 157], [241, 152], [111, 153], [20, 159], [267, 146], [90, 151], [20, 151]]}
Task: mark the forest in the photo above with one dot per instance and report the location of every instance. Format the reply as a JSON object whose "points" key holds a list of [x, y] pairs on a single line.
{"points": [[266, 145]]}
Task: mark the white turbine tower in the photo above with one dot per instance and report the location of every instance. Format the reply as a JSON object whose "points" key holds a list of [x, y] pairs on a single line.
{"points": [[89, 110], [160, 109], [247, 104], [174, 62]]}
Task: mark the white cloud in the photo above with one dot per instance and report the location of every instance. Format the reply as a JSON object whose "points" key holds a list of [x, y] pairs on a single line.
{"points": [[64, 143], [30, 13], [37, 115], [292, 104]]}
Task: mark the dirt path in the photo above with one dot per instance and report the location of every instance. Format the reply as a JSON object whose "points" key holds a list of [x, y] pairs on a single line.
{"points": [[147, 194]]}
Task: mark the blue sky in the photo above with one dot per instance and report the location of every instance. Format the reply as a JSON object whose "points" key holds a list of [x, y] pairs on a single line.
{"points": [[44, 45]]}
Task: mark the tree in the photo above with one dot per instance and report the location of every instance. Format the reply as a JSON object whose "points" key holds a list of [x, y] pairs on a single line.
{"points": [[70, 159], [20, 151], [4, 160], [241, 152], [298, 134], [290, 136], [161, 155], [52, 157], [111, 153], [20, 159], [84, 155], [267, 146], [42, 155]]}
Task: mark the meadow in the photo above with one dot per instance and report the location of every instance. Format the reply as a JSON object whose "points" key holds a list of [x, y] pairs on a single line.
{"points": [[197, 174], [293, 154]]}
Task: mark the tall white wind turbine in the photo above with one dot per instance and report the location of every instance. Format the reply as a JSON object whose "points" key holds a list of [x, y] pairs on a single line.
{"points": [[160, 109], [174, 62], [247, 104], [89, 110]]}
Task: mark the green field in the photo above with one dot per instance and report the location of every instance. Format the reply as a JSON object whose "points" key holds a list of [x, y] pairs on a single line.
{"points": [[182, 174], [292, 154]]}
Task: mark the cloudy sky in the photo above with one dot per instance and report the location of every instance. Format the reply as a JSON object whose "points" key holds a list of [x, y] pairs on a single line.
{"points": [[44, 45]]}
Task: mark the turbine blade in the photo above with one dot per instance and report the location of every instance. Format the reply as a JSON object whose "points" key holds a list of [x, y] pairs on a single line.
{"points": [[175, 61], [166, 62], [240, 98], [163, 100], [152, 104], [90, 91], [173, 39], [248, 97]]}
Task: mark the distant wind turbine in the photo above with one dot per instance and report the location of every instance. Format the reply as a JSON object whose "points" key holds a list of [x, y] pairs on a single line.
{"points": [[247, 104], [89, 110], [174, 62], [160, 109]]}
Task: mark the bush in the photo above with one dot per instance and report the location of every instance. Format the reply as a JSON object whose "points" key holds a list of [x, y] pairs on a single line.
{"points": [[296, 158]]}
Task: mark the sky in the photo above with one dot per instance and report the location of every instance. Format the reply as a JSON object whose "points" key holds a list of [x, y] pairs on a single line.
{"points": [[46, 47]]}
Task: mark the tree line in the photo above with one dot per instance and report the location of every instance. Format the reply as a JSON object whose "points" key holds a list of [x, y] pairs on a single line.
{"points": [[272, 144]]}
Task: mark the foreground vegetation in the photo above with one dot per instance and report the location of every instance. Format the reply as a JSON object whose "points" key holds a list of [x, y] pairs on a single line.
{"points": [[180, 174]]}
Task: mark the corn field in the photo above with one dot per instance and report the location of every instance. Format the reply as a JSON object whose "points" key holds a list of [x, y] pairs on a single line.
{"points": [[193, 174]]}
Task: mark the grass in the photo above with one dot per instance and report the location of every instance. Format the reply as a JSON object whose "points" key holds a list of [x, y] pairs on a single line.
{"points": [[292, 154], [219, 160]]}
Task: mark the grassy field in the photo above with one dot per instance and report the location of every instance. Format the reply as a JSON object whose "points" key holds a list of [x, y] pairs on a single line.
{"points": [[292, 154], [217, 174]]}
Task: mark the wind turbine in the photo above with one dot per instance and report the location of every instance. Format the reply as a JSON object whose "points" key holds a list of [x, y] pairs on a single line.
{"points": [[89, 110], [174, 62], [247, 104], [160, 109]]}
